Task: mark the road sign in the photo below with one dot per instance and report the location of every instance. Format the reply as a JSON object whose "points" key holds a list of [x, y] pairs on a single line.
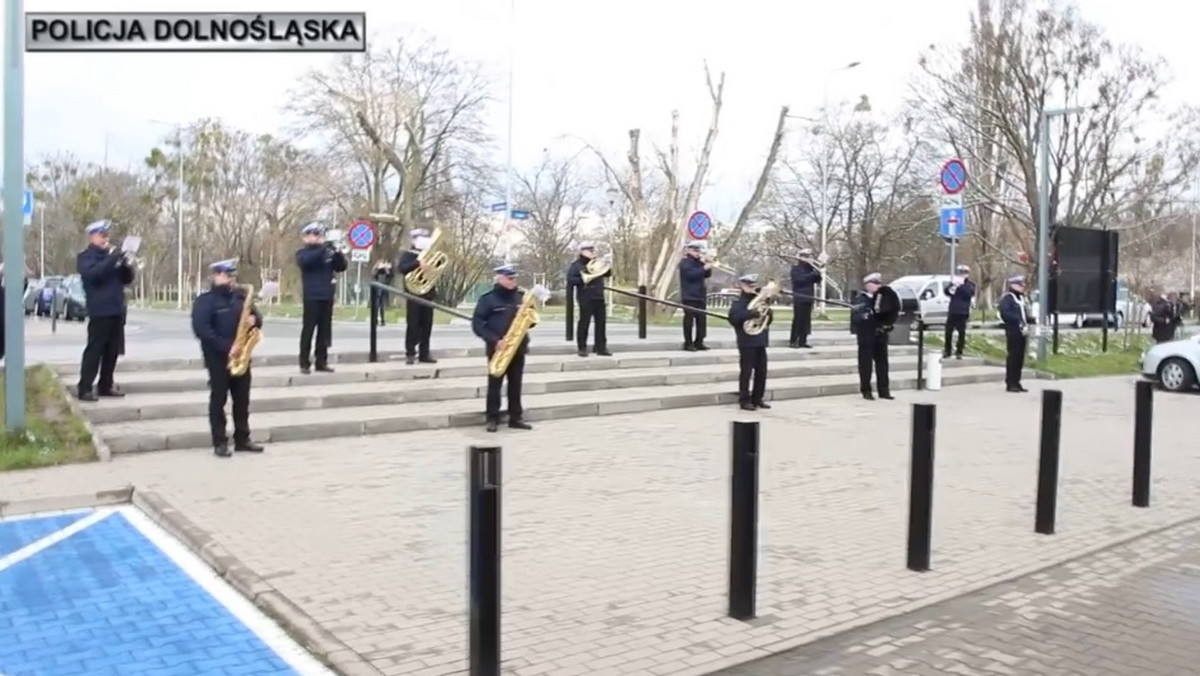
{"points": [[360, 255], [27, 203], [699, 225], [953, 176], [499, 206], [952, 201], [953, 222], [361, 235], [519, 215]]}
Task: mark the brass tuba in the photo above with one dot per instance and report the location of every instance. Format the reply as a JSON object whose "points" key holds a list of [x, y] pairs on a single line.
{"points": [[246, 338], [762, 303], [422, 280], [514, 337], [596, 268]]}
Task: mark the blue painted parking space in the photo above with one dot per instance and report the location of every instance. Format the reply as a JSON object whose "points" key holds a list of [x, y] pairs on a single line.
{"points": [[106, 600]]}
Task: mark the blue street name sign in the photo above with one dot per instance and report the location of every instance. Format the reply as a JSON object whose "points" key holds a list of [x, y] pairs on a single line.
{"points": [[27, 203], [499, 206], [953, 222], [519, 215]]}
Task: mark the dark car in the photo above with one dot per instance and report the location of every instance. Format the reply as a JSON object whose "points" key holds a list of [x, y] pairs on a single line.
{"points": [[56, 296]]}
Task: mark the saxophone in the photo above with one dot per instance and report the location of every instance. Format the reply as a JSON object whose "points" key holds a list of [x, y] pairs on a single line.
{"points": [[247, 338], [514, 337]]}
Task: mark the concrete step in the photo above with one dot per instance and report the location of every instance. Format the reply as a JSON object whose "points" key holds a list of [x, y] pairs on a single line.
{"points": [[540, 346], [195, 379], [327, 423], [319, 395]]}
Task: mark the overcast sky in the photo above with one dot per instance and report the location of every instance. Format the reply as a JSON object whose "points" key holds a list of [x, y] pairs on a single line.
{"points": [[587, 68]]}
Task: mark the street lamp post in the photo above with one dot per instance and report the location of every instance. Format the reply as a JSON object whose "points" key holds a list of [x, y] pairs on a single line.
{"points": [[508, 170], [825, 172], [14, 216], [1043, 243], [179, 214]]}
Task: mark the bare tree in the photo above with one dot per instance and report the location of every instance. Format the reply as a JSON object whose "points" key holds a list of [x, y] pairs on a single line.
{"points": [[555, 195]]}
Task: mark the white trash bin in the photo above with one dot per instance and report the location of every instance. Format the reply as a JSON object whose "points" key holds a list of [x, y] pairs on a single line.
{"points": [[933, 373]]}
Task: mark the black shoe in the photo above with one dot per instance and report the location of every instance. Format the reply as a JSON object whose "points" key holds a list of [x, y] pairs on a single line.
{"points": [[303, 369], [603, 353], [1022, 388], [582, 353], [113, 394], [701, 347], [958, 357], [410, 360], [761, 404], [868, 396], [519, 425], [747, 407], [427, 360], [248, 447], [886, 396], [222, 451], [492, 425], [793, 344], [1010, 388], [688, 347], [946, 355], [805, 346], [88, 396], [324, 369]]}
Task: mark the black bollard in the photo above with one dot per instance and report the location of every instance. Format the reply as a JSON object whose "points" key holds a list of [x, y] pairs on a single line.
{"points": [[641, 312], [743, 521], [373, 332], [1143, 418], [920, 488], [920, 354], [1047, 486], [569, 311], [484, 563]]}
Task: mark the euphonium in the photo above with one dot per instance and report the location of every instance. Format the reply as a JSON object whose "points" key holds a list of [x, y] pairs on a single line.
{"points": [[422, 280], [597, 267], [247, 338], [526, 319], [762, 303]]}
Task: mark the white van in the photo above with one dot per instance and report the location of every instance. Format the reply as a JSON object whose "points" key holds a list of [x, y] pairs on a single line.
{"points": [[930, 291]]}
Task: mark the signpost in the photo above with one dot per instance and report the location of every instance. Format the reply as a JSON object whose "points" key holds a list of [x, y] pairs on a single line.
{"points": [[362, 236], [13, 231], [520, 215], [952, 222], [699, 225]]}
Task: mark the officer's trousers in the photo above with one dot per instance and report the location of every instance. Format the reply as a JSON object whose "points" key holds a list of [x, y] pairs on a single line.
{"points": [[873, 353], [752, 374], [514, 375], [801, 321], [418, 329], [1015, 343], [318, 318], [223, 386], [695, 324], [589, 310], [104, 343], [955, 324]]}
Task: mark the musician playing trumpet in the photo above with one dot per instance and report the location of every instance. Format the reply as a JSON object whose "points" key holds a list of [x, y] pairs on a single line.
{"points": [[962, 293], [589, 299], [319, 261], [105, 272], [418, 318], [494, 314], [805, 277], [216, 316], [752, 349], [694, 272], [871, 333]]}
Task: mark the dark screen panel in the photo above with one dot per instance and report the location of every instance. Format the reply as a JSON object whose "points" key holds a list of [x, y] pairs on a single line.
{"points": [[1081, 270]]}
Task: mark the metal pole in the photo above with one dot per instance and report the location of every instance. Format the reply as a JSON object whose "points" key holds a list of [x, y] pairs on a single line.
{"points": [[42, 243], [508, 172], [1043, 233], [179, 234], [14, 215], [1192, 296]]}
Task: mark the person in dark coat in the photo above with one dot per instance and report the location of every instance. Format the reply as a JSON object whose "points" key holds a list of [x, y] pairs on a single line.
{"points": [[382, 274], [1015, 316], [418, 318], [872, 338], [962, 294], [319, 261], [805, 278], [493, 316], [752, 349], [589, 301], [216, 318], [1163, 319], [105, 273], [694, 272]]}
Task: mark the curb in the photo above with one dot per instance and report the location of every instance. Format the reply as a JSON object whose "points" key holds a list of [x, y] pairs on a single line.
{"points": [[109, 498], [316, 639]]}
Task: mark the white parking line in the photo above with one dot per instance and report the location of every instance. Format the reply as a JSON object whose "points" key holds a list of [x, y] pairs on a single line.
{"points": [[52, 539]]}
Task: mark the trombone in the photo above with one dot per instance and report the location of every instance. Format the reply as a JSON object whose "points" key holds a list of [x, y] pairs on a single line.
{"points": [[716, 264]]}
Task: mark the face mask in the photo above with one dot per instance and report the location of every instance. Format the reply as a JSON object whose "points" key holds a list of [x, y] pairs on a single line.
{"points": [[421, 243]]}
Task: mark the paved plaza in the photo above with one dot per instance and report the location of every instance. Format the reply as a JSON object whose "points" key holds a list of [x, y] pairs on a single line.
{"points": [[615, 542]]}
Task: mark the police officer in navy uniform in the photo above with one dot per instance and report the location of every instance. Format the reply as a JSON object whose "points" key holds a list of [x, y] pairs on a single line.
{"points": [[215, 318], [752, 350], [805, 277], [418, 317], [872, 338], [961, 295], [105, 273], [384, 275], [1014, 315], [319, 261], [494, 314], [589, 300], [693, 292]]}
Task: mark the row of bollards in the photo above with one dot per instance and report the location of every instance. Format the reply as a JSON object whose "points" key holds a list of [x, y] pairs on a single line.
{"points": [[484, 509]]}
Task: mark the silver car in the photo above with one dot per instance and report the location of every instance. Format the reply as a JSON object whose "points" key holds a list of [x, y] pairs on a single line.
{"points": [[1173, 365]]}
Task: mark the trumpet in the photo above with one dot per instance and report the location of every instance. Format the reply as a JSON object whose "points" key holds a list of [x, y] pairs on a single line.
{"points": [[820, 262]]}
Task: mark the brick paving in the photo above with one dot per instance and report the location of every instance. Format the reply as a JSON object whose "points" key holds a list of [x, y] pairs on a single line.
{"points": [[1129, 611], [615, 543]]}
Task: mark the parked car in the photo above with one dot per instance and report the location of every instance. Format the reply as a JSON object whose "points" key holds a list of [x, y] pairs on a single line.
{"points": [[56, 296], [39, 296], [72, 304], [1173, 365], [1128, 307]]}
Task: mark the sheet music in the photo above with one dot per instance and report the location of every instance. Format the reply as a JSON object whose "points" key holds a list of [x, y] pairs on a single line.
{"points": [[131, 244]]}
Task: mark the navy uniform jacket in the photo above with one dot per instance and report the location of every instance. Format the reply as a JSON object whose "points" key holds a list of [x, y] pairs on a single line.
{"points": [[804, 280], [863, 322], [739, 312], [593, 290], [960, 300], [215, 317], [1012, 312], [494, 314], [318, 263], [406, 264], [105, 276], [692, 276]]}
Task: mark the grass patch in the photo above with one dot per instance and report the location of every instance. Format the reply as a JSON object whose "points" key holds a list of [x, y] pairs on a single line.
{"points": [[53, 434], [1079, 354]]}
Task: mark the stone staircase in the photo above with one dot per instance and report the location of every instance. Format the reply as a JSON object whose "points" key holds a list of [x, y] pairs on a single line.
{"points": [[166, 406]]}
